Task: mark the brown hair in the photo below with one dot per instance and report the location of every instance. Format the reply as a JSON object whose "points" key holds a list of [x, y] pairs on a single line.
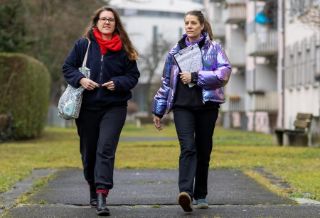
{"points": [[119, 29], [203, 21]]}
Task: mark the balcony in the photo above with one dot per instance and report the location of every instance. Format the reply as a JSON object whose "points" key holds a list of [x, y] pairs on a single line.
{"points": [[217, 21], [263, 43], [219, 30], [235, 13], [234, 103], [266, 102], [237, 57], [261, 80], [236, 1]]}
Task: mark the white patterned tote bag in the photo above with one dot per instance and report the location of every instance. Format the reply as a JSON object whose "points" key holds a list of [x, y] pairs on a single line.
{"points": [[70, 101]]}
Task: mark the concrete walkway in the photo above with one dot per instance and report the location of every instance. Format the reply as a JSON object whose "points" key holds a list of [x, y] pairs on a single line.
{"points": [[152, 193]]}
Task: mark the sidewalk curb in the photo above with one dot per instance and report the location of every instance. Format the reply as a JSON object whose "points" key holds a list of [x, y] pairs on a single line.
{"points": [[306, 201], [8, 199]]}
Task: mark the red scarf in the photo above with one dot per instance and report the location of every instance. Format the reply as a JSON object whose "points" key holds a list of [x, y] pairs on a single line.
{"points": [[113, 44]]}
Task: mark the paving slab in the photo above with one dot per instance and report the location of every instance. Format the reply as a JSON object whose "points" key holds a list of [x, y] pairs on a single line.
{"points": [[152, 193], [157, 187], [215, 211], [8, 199]]}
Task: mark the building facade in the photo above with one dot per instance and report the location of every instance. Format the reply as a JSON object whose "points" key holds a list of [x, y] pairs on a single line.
{"points": [[273, 46], [301, 91], [250, 41]]}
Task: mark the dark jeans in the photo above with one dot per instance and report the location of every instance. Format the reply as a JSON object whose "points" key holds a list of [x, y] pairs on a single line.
{"points": [[195, 130], [99, 132]]}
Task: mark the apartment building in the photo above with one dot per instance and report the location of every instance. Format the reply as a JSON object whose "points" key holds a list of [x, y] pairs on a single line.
{"points": [[250, 41], [261, 68], [301, 91], [274, 48]]}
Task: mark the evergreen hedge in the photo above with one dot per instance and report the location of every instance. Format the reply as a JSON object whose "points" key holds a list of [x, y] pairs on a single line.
{"points": [[24, 93]]}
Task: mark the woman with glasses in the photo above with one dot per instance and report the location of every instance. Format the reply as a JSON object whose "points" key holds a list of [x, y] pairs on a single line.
{"points": [[195, 98], [113, 73]]}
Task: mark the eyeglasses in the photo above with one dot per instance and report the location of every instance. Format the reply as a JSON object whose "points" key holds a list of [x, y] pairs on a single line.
{"points": [[105, 19]]}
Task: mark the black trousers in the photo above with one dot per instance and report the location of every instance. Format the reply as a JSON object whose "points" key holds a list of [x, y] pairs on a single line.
{"points": [[195, 130], [99, 132]]}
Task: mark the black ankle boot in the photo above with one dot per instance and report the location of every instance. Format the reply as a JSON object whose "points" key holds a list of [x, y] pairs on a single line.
{"points": [[93, 196], [102, 209]]}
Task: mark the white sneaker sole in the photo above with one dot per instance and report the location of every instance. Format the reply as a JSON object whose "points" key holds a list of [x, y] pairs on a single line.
{"points": [[202, 206]]}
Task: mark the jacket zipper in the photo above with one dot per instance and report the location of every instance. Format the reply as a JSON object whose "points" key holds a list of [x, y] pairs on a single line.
{"points": [[100, 76]]}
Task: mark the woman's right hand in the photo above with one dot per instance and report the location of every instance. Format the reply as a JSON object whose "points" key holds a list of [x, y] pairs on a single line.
{"points": [[157, 122], [88, 84]]}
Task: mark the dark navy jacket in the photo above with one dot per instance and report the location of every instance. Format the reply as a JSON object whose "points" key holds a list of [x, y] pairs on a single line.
{"points": [[114, 66]]}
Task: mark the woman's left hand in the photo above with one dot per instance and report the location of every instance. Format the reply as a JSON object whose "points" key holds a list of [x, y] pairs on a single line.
{"points": [[157, 122], [185, 77], [109, 85]]}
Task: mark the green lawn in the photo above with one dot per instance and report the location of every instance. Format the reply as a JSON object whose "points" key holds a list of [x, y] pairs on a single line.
{"points": [[58, 148]]}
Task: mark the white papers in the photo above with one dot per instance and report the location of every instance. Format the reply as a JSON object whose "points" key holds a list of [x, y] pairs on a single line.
{"points": [[189, 59]]}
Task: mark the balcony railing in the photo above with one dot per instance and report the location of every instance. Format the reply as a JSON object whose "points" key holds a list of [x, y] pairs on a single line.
{"points": [[231, 1], [236, 56], [236, 13], [219, 30], [266, 102], [263, 43], [235, 1], [234, 104]]}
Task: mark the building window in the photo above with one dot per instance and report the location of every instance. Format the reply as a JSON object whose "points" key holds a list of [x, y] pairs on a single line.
{"points": [[290, 71], [317, 60], [299, 73], [308, 63]]}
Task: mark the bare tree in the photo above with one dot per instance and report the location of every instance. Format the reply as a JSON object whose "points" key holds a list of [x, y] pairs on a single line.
{"points": [[52, 27], [309, 12], [312, 17], [150, 63]]}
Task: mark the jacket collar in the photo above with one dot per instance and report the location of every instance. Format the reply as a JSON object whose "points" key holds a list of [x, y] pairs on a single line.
{"points": [[182, 42]]}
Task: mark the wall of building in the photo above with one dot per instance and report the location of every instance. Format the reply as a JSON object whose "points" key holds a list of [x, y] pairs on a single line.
{"points": [[302, 92]]}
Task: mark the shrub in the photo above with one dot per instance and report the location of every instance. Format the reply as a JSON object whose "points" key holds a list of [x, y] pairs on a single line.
{"points": [[24, 93]]}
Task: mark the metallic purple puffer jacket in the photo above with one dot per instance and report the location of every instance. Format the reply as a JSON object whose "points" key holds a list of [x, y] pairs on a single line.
{"points": [[212, 78]]}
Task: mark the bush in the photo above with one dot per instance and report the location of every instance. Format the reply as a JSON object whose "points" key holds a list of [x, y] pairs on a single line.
{"points": [[24, 93]]}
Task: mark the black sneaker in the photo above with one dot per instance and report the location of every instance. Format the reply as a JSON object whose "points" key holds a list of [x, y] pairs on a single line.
{"points": [[185, 201]]}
